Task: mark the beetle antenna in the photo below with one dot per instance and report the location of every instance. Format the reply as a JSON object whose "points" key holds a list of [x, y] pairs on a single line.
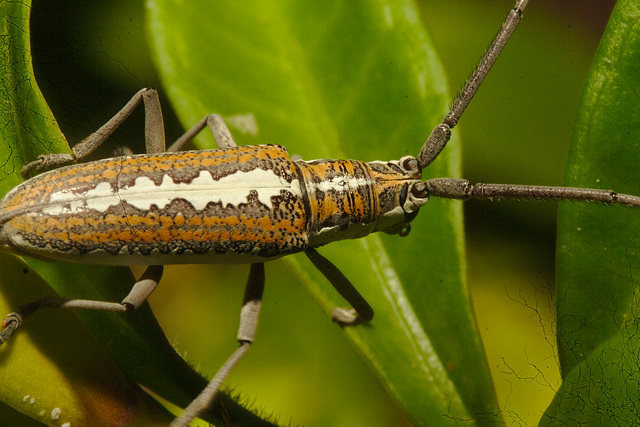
{"points": [[455, 188], [442, 133]]}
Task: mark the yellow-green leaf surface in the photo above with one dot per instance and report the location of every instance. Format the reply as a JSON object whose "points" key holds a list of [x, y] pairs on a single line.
{"points": [[57, 373], [82, 381], [346, 80], [599, 247]]}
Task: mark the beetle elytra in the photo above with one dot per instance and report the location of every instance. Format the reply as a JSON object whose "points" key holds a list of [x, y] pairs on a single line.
{"points": [[160, 248]]}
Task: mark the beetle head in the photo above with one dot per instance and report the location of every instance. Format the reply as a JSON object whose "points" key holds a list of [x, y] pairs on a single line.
{"points": [[401, 193]]}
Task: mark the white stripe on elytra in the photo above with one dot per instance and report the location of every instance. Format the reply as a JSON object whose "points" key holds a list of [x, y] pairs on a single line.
{"points": [[230, 190]]}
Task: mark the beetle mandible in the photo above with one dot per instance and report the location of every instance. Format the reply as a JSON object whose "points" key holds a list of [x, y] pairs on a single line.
{"points": [[233, 205]]}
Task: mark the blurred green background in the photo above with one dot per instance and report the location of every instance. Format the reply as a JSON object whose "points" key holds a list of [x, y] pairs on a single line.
{"points": [[91, 56]]}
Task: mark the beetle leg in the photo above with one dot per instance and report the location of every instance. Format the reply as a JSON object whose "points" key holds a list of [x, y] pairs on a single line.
{"points": [[362, 310], [246, 331], [218, 129], [139, 293], [154, 139], [154, 134]]}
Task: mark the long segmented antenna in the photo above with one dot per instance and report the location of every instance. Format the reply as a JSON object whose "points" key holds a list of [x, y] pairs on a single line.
{"points": [[442, 133], [455, 188]]}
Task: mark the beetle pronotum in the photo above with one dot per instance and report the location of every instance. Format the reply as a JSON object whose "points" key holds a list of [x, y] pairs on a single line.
{"points": [[408, 193]]}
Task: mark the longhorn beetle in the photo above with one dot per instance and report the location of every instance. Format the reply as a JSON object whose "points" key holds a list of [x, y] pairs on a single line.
{"points": [[246, 204]]}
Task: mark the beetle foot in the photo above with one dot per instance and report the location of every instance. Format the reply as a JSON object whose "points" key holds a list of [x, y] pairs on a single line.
{"points": [[345, 317], [45, 162], [9, 325]]}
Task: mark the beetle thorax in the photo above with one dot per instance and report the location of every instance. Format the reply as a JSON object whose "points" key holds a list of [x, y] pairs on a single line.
{"points": [[341, 201], [349, 199]]}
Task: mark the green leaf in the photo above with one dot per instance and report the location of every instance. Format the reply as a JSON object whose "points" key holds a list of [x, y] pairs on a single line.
{"points": [[28, 126], [136, 341], [598, 247], [358, 80], [603, 389]]}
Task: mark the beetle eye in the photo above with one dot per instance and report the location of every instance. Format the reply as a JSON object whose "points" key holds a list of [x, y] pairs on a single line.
{"points": [[402, 198]]}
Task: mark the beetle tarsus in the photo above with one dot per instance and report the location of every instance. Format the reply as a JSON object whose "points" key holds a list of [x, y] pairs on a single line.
{"points": [[346, 317], [9, 325]]}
